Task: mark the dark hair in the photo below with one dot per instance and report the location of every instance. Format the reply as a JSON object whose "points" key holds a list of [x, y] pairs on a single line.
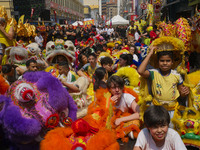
{"points": [[98, 76], [6, 68], [64, 64], [130, 59], [156, 115], [30, 61], [116, 80], [136, 50], [92, 54], [124, 57], [163, 53], [154, 26], [106, 60], [104, 45], [80, 57], [186, 54]]}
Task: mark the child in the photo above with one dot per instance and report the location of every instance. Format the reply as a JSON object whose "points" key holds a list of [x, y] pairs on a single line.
{"points": [[166, 83], [125, 103], [107, 63], [89, 68], [66, 77], [157, 135], [100, 77]]}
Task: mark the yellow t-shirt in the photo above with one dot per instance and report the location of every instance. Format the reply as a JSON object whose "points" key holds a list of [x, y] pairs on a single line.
{"points": [[164, 88], [4, 39]]}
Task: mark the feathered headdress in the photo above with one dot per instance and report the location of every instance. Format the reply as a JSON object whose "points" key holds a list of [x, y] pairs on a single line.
{"points": [[167, 43]]}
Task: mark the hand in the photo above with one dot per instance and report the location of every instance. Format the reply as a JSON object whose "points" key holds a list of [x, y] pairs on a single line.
{"points": [[115, 98], [118, 121], [151, 49], [184, 91]]}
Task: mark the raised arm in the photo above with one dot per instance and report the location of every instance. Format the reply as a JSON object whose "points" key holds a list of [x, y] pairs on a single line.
{"points": [[10, 34], [142, 68]]}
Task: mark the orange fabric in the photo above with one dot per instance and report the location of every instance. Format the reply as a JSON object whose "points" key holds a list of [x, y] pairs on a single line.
{"points": [[104, 139], [132, 92], [57, 139], [4, 85]]}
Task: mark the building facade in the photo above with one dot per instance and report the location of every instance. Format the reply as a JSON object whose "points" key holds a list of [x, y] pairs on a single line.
{"points": [[47, 10], [8, 4], [111, 9]]}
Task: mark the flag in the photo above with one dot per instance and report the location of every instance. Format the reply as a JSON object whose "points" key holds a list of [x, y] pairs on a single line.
{"points": [[32, 12], [21, 19]]}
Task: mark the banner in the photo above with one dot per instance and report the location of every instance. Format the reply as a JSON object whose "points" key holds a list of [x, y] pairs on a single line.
{"points": [[88, 22]]}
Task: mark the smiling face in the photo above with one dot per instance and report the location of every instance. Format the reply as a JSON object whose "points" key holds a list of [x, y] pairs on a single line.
{"points": [[165, 63], [158, 133], [132, 50]]}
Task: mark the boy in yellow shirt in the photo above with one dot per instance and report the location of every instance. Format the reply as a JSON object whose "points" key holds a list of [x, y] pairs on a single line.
{"points": [[166, 83]]}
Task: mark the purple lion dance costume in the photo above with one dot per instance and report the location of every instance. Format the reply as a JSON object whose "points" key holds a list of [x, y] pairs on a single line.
{"points": [[34, 105]]}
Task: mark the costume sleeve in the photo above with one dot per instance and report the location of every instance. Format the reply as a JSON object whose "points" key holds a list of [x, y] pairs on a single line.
{"points": [[85, 67], [151, 71], [141, 140], [180, 80]]}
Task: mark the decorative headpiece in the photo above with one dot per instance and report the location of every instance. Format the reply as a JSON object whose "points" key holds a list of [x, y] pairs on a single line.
{"points": [[167, 43]]}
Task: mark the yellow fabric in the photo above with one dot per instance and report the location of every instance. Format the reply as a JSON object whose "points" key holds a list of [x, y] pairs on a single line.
{"points": [[91, 71], [169, 106], [165, 87], [4, 39], [130, 28]]}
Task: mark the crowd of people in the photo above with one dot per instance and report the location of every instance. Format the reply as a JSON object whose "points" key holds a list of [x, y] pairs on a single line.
{"points": [[131, 45]]}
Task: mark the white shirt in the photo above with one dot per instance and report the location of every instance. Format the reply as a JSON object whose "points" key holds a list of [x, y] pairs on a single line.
{"points": [[110, 30], [135, 57], [125, 102], [67, 78], [172, 141]]}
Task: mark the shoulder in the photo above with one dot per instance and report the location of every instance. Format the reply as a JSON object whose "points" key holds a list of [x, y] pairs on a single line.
{"points": [[145, 131], [174, 72], [153, 70], [143, 135], [171, 133], [86, 65], [128, 96]]}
